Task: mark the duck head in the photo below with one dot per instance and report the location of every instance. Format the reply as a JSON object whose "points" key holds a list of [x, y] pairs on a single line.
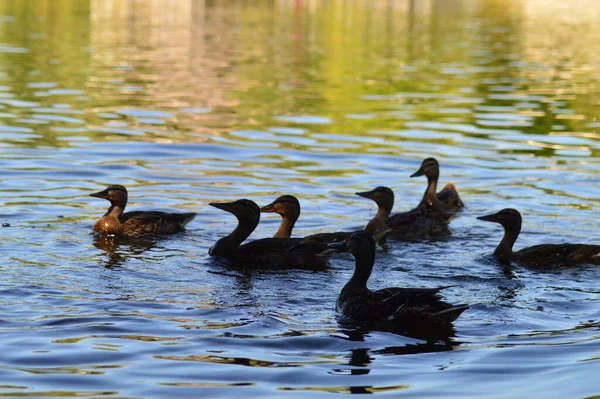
{"points": [[116, 194], [430, 168], [288, 207], [383, 197], [509, 218], [285, 205], [246, 211]]}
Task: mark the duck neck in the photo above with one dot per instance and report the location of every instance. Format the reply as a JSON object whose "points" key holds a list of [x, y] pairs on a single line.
{"points": [[430, 197], [504, 250], [115, 210], [362, 271], [379, 220], [228, 245], [285, 228]]}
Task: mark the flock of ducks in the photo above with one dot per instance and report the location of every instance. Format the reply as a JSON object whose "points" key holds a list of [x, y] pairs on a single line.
{"points": [[404, 308]]}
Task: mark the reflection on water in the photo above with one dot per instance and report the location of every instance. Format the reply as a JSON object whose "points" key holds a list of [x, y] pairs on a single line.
{"points": [[195, 101]]}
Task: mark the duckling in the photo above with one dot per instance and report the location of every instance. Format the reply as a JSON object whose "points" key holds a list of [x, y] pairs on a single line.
{"points": [[447, 200], [419, 222], [402, 307], [538, 256], [137, 223], [288, 207], [265, 253]]}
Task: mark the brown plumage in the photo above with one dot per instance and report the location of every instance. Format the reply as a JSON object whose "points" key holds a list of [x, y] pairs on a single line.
{"points": [[288, 207], [538, 256], [447, 200], [430, 218], [136, 223], [420, 222]]}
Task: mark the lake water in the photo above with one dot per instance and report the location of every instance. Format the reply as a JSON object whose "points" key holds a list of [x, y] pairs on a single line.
{"points": [[191, 101]]}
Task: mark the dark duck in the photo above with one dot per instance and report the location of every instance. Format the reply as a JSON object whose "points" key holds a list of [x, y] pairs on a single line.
{"points": [[538, 256], [265, 253], [403, 308], [137, 223], [431, 216], [288, 207], [447, 200], [416, 223]]}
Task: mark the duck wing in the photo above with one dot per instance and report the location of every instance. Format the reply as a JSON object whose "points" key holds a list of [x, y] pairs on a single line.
{"points": [[557, 255], [141, 223], [416, 306], [419, 222], [283, 253], [409, 307]]}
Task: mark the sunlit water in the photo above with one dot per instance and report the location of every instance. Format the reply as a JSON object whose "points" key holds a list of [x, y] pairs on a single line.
{"points": [[188, 102]]}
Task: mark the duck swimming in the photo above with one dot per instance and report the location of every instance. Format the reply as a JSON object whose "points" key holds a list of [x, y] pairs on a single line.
{"points": [[419, 222], [288, 207], [406, 308], [538, 256], [265, 253], [447, 200], [137, 223]]}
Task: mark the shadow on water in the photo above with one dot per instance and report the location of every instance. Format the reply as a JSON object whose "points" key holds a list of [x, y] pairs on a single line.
{"points": [[435, 339], [119, 249]]}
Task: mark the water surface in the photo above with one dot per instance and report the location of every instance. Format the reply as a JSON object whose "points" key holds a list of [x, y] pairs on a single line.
{"points": [[195, 101]]}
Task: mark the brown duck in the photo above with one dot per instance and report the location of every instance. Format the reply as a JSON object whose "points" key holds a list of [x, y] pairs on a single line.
{"points": [[416, 223], [137, 223], [406, 308], [538, 256], [447, 200], [265, 253], [288, 207], [430, 218]]}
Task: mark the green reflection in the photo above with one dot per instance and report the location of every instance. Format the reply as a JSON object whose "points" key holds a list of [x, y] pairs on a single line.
{"points": [[246, 64]]}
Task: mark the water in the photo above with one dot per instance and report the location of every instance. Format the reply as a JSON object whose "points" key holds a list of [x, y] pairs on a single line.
{"points": [[190, 102]]}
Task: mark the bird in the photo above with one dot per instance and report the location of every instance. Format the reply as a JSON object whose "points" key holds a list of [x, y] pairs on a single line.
{"points": [[537, 256], [137, 223], [288, 207], [265, 253], [404, 308], [419, 222], [447, 200], [430, 218]]}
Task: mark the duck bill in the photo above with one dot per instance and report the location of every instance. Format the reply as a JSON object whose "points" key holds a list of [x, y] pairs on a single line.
{"points": [[419, 172], [366, 194], [489, 218], [226, 206], [268, 208], [100, 194]]}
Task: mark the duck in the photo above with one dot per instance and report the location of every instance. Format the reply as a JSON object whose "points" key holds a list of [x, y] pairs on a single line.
{"points": [[288, 207], [537, 256], [137, 223], [265, 253], [416, 223], [404, 308], [447, 200]]}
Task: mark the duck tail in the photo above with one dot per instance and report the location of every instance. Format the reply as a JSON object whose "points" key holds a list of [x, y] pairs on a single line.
{"points": [[449, 194], [447, 316], [185, 218]]}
